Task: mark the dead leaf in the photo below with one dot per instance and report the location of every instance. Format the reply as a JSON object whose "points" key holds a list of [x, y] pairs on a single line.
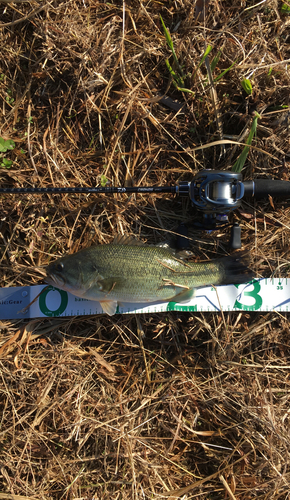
{"points": [[21, 336], [9, 343], [271, 201], [102, 361]]}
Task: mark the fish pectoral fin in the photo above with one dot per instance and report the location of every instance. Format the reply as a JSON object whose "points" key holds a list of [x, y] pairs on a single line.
{"points": [[184, 295], [107, 285], [109, 306]]}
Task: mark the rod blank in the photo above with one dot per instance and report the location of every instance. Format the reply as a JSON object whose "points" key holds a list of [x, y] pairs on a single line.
{"points": [[87, 190]]}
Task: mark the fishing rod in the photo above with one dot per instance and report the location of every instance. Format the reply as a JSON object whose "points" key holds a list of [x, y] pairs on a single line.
{"points": [[211, 186], [89, 190], [215, 193]]}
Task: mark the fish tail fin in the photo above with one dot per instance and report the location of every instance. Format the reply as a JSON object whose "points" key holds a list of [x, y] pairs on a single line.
{"points": [[235, 268]]}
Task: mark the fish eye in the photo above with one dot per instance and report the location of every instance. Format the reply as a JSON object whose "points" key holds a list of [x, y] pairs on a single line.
{"points": [[59, 267]]}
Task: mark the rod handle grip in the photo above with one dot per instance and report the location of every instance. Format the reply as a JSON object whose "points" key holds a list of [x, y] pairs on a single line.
{"points": [[261, 188]]}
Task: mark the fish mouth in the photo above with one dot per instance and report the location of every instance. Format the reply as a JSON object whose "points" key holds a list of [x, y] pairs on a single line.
{"points": [[54, 280]]}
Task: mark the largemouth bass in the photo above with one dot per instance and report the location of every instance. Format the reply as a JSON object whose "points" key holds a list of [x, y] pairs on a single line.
{"points": [[127, 271]]}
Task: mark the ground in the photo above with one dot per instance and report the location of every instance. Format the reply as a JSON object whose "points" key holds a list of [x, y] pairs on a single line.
{"points": [[175, 405]]}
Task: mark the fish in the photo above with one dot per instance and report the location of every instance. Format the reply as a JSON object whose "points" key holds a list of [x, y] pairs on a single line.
{"points": [[128, 270]]}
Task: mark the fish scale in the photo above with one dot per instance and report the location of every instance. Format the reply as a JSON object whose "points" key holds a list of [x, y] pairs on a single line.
{"points": [[130, 272]]}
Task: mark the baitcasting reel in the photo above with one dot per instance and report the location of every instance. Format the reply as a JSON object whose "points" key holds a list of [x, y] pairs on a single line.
{"points": [[214, 192]]}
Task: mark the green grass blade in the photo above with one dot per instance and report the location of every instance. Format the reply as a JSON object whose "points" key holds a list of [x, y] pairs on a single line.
{"points": [[285, 9], [224, 72], [215, 61], [239, 164], [171, 46], [206, 53], [174, 75], [185, 90], [247, 86], [167, 36], [170, 69]]}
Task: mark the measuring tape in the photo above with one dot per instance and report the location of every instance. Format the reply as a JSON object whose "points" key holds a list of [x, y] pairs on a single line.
{"points": [[257, 295]]}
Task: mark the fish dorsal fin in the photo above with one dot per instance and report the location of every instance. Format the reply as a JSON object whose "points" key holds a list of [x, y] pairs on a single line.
{"points": [[127, 240]]}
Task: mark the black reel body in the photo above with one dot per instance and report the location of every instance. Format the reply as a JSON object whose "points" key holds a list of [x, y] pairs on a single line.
{"points": [[215, 193]]}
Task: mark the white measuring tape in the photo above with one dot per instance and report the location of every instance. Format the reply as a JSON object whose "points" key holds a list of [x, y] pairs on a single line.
{"points": [[257, 295]]}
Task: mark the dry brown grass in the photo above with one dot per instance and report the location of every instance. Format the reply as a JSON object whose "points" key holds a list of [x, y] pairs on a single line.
{"points": [[171, 405]]}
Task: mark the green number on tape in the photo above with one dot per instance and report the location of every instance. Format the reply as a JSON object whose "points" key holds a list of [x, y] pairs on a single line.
{"points": [[173, 306], [254, 294], [42, 302]]}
